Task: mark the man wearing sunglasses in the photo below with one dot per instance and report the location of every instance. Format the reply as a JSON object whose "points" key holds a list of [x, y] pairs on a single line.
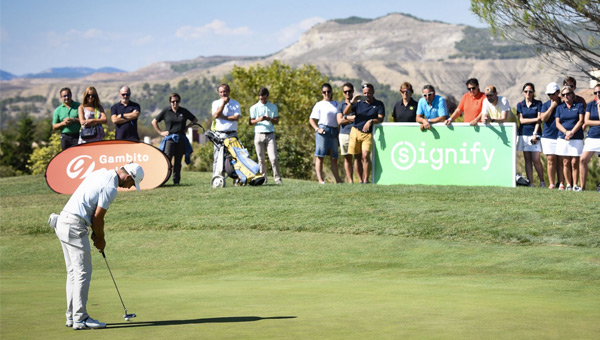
{"points": [[65, 119], [368, 112], [124, 115], [431, 108], [345, 123], [470, 104]]}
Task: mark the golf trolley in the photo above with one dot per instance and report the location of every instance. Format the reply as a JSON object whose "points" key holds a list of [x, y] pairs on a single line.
{"points": [[232, 161]]}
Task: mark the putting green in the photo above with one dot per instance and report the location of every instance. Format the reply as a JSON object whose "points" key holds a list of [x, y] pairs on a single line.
{"points": [[270, 285]]}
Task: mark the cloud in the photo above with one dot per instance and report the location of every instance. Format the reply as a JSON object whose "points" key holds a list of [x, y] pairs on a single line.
{"points": [[65, 39], [142, 40], [216, 27], [291, 33]]}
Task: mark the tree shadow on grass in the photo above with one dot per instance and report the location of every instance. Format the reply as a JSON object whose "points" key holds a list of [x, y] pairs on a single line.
{"points": [[194, 321]]}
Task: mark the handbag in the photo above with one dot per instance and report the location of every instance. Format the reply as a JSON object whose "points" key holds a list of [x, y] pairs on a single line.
{"points": [[89, 132]]}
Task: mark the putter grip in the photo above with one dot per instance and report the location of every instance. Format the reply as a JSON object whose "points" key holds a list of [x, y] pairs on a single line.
{"points": [[102, 252]]}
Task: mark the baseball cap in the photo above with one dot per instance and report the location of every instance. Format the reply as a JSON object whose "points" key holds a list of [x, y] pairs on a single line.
{"points": [[551, 88], [136, 171]]}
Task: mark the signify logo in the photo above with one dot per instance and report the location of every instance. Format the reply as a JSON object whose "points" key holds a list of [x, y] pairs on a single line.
{"points": [[405, 155]]}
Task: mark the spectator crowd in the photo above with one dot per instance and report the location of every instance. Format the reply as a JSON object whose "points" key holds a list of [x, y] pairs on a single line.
{"points": [[555, 127]]}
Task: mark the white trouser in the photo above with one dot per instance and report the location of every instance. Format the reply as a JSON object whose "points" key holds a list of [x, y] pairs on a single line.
{"points": [[262, 142], [73, 235]]}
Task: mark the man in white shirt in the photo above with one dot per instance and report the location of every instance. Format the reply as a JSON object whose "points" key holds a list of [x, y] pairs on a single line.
{"points": [[226, 112], [87, 207]]}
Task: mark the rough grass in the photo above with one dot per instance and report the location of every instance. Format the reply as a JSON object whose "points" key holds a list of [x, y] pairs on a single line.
{"points": [[531, 216]]}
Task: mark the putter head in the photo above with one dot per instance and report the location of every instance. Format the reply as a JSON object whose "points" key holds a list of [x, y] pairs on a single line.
{"points": [[128, 317]]}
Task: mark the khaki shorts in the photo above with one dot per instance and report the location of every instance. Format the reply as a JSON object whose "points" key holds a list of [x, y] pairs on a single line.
{"points": [[359, 142]]}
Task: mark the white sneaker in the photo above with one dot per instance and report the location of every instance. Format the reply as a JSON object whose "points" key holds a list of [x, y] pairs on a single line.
{"points": [[576, 188], [69, 323], [568, 187], [88, 323]]}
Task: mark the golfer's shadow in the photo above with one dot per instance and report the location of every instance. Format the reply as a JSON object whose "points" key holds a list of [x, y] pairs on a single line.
{"points": [[195, 321]]}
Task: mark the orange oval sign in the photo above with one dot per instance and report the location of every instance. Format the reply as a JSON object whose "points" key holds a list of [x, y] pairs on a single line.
{"points": [[67, 170]]}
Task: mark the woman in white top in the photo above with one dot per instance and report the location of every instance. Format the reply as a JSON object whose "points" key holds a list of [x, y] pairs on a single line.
{"points": [[91, 114]]}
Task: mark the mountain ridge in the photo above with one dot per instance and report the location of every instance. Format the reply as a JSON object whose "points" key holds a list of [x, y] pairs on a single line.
{"points": [[388, 50]]}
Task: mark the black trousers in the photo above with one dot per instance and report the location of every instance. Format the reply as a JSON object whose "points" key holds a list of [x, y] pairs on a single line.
{"points": [[68, 140], [175, 152]]}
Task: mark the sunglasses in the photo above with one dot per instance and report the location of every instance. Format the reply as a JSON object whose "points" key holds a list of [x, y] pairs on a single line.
{"points": [[125, 94], [66, 96], [566, 94], [325, 92], [428, 94], [346, 92], [91, 95], [471, 88], [174, 101], [528, 91], [597, 93], [490, 95], [404, 92]]}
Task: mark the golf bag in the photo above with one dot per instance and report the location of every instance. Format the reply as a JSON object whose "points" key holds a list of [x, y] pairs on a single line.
{"points": [[238, 163], [233, 161]]}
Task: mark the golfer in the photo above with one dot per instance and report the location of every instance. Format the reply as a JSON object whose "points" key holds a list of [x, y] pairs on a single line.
{"points": [[87, 207]]}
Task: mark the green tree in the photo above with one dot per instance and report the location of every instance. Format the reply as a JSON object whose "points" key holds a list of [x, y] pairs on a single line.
{"points": [[17, 147], [41, 156], [565, 29], [295, 92]]}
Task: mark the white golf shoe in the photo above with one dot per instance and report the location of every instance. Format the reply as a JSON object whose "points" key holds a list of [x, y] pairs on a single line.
{"points": [[88, 323], [69, 323]]}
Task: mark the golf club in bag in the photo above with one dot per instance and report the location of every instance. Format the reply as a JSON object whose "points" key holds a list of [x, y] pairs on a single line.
{"points": [[126, 316]]}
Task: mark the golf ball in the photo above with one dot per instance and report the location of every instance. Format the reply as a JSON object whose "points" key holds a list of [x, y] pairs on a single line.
{"points": [[126, 319]]}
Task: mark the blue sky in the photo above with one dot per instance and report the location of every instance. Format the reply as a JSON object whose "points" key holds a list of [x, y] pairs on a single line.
{"points": [[36, 35]]}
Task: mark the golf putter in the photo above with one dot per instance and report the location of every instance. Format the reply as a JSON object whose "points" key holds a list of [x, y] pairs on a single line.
{"points": [[127, 316]]}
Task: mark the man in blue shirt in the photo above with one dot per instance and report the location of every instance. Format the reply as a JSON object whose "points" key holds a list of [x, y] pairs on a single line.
{"points": [[367, 112], [431, 108]]}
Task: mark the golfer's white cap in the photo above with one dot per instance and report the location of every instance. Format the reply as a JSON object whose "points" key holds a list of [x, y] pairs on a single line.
{"points": [[136, 171], [551, 88]]}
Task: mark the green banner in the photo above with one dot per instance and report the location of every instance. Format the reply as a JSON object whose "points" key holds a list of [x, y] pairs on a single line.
{"points": [[458, 154]]}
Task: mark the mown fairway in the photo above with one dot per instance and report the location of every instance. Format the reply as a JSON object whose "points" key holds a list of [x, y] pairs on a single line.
{"points": [[306, 261]]}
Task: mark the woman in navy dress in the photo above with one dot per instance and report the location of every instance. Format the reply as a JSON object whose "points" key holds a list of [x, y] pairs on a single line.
{"points": [[528, 140], [569, 122], [591, 144]]}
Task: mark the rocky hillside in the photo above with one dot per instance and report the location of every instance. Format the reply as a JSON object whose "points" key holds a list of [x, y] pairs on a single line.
{"points": [[398, 48], [389, 50]]}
